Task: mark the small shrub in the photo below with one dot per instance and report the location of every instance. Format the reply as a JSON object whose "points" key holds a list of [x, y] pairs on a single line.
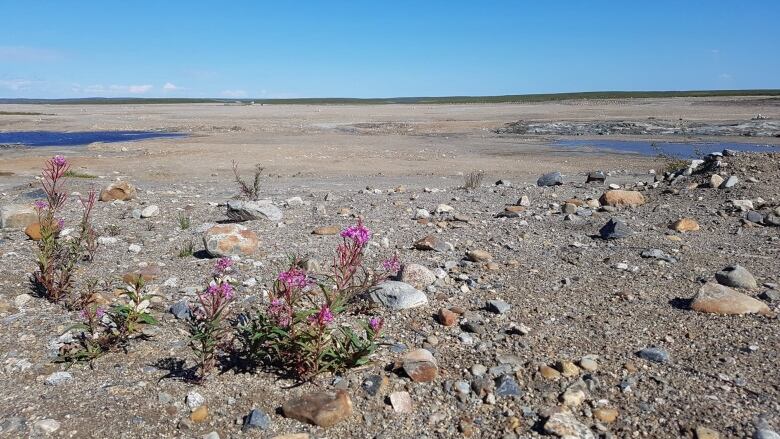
{"points": [[57, 257], [130, 317], [208, 331], [187, 249], [76, 174], [112, 230], [473, 180], [250, 192], [295, 332], [184, 221]]}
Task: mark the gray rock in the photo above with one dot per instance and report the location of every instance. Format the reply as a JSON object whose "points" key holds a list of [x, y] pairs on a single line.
{"points": [[253, 210], [772, 220], [17, 216], [181, 310], [372, 384], [771, 295], [47, 426], [658, 254], [765, 433], [614, 229], [550, 179], [730, 182], [58, 378], [398, 295], [736, 276], [257, 419], [150, 211], [754, 217], [597, 176], [497, 306], [507, 386], [563, 424], [656, 355], [194, 400]]}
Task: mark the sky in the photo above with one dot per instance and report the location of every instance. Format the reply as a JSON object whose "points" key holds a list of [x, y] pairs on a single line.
{"points": [[289, 49]]}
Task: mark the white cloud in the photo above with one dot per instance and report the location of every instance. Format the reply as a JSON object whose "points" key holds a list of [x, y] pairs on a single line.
{"points": [[100, 89], [234, 93], [15, 84], [170, 87], [725, 76], [28, 54]]}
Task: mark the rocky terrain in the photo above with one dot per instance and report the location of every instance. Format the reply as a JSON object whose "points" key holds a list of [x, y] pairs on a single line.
{"points": [[636, 304]]}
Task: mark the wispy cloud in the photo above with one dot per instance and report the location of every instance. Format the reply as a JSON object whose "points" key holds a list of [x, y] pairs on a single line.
{"points": [[28, 54], [16, 84], [234, 93], [170, 87], [725, 77], [114, 89]]}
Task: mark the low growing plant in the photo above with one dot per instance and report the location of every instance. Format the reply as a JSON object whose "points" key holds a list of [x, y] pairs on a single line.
{"points": [[473, 180], [305, 330], [247, 190], [184, 221], [187, 249], [57, 257]]}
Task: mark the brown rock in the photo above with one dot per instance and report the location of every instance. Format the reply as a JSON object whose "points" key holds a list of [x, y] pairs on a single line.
{"points": [[492, 266], [326, 230], [605, 415], [478, 256], [118, 190], [344, 211], [715, 181], [568, 368], [17, 216], [200, 414], [148, 273], [321, 408], [33, 231], [516, 209], [719, 299], [706, 433], [447, 317], [230, 239], [575, 201], [549, 373], [420, 365], [431, 242], [620, 198], [685, 225]]}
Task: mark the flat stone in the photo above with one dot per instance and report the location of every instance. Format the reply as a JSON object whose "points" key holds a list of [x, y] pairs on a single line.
{"points": [[478, 256], [257, 419], [606, 415], [150, 211], [118, 190], [730, 182], [715, 181], [58, 378], [420, 365], [324, 409], [432, 242], [597, 176], [754, 217], [685, 225], [706, 433], [497, 306], [326, 230], [17, 216], [550, 179], [398, 295], [621, 198], [718, 299], [563, 424], [658, 254], [230, 239], [418, 276], [47, 426], [507, 386], [656, 355], [736, 276], [238, 210], [401, 402], [614, 229]]}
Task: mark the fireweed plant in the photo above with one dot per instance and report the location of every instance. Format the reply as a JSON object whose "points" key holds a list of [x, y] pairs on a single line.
{"points": [[304, 329], [58, 256], [208, 329]]}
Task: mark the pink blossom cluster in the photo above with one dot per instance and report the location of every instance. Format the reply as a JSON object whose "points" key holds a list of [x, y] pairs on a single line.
{"points": [[222, 291], [392, 265], [358, 233], [281, 312], [295, 278], [222, 266], [321, 318]]}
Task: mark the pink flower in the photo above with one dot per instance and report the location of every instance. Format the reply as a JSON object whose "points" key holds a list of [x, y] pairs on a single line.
{"points": [[222, 265], [392, 265], [295, 278], [222, 290], [322, 318], [100, 312], [280, 312], [41, 205], [358, 233], [376, 324], [59, 161]]}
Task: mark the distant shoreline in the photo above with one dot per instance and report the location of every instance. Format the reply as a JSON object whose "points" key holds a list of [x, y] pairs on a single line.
{"points": [[524, 98]]}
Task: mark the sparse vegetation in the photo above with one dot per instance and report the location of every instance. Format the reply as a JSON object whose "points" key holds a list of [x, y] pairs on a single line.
{"points": [[76, 174], [473, 180], [184, 221], [248, 191], [187, 249]]}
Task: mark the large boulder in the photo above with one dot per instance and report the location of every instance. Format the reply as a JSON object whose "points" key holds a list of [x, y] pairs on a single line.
{"points": [[718, 299], [230, 239], [238, 210], [17, 216], [118, 190], [619, 198]]}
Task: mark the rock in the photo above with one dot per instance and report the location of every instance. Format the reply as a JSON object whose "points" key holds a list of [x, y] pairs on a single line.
{"points": [[326, 230], [507, 386], [447, 317], [238, 210], [118, 190], [568, 368], [444, 208], [212, 435], [293, 436], [398, 295], [432, 242], [181, 310], [764, 432], [194, 400], [33, 231], [772, 220], [742, 205], [58, 378], [736, 276], [715, 181], [656, 355], [257, 419], [754, 217], [685, 225], [199, 414], [230, 239], [620, 198], [294, 201], [605, 415], [17, 216], [375, 384], [107, 240], [658, 254], [614, 229], [134, 248], [420, 365], [147, 273], [569, 208], [575, 395], [47, 426], [730, 182], [421, 214], [550, 179], [497, 306], [417, 276], [401, 402], [549, 372], [706, 433], [770, 295], [524, 201], [588, 362], [22, 300], [324, 409], [597, 176], [150, 211], [563, 424], [718, 299], [478, 256]]}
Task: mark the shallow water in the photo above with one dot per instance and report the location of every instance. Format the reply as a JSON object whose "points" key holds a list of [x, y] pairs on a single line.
{"points": [[60, 138], [675, 149]]}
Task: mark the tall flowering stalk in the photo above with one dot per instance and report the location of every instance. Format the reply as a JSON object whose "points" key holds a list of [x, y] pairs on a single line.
{"points": [[57, 257], [297, 333], [208, 331]]}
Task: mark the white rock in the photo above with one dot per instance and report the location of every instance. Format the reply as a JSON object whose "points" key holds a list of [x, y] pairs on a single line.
{"points": [[150, 211], [134, 248]]}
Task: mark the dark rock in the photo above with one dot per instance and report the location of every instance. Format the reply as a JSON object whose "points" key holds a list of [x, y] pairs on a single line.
{"points": [[181, 310], [597, 176], [257, 419], [550, 179], [656, 355], [614, 229], [507, 386]]}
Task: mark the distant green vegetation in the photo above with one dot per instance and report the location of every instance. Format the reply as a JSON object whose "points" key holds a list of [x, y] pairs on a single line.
{"points": [[77, 174], [22, 113], [409, 100]]}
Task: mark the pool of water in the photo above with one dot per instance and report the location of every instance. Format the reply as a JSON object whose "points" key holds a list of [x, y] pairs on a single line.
{"points": [[676, 149], [60, 138]]}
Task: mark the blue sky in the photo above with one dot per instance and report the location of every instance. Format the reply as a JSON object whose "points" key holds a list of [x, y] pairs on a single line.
{"points": [[254, 49]]}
